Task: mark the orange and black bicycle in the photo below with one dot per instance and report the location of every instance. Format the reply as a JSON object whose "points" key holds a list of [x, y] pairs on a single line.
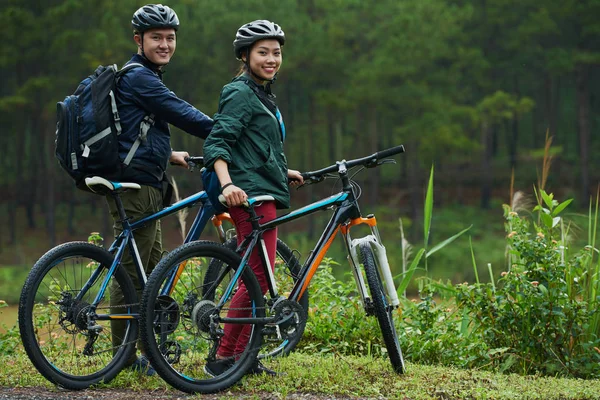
{"points": [[184, 321]]}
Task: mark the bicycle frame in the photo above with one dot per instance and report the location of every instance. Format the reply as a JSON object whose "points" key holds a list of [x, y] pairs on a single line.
{"points": [[126, 239], [345, 216]]}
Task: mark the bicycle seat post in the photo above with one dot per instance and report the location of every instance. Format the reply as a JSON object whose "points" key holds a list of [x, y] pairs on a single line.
{"points": [[123, 219], [254, 218]]}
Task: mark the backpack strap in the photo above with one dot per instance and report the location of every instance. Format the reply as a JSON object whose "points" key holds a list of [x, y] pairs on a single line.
{"points": [[145, 125], [113, 105]]}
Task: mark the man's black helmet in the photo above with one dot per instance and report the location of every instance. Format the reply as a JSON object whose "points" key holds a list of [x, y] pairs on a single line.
{"points": [[154, 16], [255, 31]]}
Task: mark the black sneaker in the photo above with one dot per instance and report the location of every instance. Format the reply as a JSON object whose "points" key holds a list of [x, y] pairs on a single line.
{"points": [[218, 367], [258, 368], [142, 366]]}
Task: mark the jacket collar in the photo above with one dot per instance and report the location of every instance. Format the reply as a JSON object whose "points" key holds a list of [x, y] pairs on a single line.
{"points": [[147, 63]]}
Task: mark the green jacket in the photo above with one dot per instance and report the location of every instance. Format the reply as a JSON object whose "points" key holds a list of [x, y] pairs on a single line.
{"points": [[250, 139]]}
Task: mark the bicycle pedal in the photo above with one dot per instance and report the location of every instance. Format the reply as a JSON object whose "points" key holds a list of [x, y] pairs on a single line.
{"points": [[272, 331]]}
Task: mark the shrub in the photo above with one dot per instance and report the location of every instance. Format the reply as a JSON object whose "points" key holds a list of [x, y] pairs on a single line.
{"points": [[542, 317], [336, 318]]}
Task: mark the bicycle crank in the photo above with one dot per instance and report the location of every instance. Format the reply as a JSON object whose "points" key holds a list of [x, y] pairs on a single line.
{"points": [[167, 315], [290, 321]]}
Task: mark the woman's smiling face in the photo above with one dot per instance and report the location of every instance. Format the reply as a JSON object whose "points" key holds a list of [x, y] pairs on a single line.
{"points": [[265, 58]]}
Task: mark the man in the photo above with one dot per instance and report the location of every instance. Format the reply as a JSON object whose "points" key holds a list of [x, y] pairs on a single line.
{"points": [[146, 107]]}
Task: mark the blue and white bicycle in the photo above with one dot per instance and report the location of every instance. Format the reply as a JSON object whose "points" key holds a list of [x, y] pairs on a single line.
{"points": [[65, 314]]}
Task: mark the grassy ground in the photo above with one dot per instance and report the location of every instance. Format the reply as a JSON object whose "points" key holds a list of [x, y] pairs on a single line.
{"points": [[350, 377]]}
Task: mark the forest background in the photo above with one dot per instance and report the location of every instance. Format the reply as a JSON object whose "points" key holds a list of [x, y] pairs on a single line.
{"points": [[470, 87]]}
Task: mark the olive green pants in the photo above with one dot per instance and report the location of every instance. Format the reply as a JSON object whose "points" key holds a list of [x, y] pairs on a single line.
{"points": [[138, 204]]}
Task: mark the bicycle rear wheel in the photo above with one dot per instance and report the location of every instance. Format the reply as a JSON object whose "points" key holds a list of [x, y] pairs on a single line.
{"points": [[382, 308], [181, 327], [68, 345], [277, 341]]}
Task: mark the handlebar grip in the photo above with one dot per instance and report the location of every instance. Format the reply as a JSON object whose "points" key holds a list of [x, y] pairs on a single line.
{"points": [[389, 152]]}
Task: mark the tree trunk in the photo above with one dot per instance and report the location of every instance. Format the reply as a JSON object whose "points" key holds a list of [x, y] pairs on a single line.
{"points": [[71, 216], [288, 117], [550, 104], [372, 145], [310, 161], [26, 194], [35, 154], [48, 176], [513, 131], [583, 124], [486, 164], [12, 221], [331, 135], [415, 190], [514, 138]]}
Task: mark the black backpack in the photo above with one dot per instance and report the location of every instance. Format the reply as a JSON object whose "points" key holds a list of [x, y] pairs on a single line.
{"points": [[88, 128]]}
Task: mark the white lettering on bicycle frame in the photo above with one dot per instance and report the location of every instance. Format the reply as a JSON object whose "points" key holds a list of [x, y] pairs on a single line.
{"points": [[139, 260], [268, 264]]}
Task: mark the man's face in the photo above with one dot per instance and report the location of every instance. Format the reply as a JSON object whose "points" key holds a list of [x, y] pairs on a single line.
{"points": [[159, 45]]}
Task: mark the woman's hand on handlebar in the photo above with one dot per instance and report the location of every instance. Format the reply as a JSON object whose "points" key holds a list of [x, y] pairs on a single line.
{"points": [[295, 177], [234, 195], [179, 158]]}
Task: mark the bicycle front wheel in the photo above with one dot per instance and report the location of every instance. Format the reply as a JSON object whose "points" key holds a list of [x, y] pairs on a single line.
{"points": [[182, 329], [382, 308], [68, 343]]}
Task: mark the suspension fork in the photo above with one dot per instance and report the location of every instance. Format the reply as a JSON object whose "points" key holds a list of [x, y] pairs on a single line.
{"points": [[374, 242]]}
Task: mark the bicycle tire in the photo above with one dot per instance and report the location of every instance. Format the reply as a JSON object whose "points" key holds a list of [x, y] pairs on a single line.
{"points": [[180, 330], [51, 320], [382, 308], [285, 279]]}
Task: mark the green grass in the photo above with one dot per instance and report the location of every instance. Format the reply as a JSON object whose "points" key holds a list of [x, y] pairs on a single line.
{"points": [[351, 377]]}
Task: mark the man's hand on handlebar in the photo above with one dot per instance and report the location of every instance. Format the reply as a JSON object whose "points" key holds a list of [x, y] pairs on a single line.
{"points": [[179, 158]]}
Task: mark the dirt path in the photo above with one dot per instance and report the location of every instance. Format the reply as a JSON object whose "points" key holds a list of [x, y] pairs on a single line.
{"points": [[40, 393]]}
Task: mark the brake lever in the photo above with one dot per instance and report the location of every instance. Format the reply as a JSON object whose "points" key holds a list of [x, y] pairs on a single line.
{"points": [[375, 163], [311, 181], [191, 165]]}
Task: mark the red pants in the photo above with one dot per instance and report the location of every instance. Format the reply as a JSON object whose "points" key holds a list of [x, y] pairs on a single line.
{"points": [[236, 335]]}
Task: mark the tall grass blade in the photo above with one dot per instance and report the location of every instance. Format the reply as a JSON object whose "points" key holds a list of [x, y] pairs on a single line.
{"points": [[446, 242], [491, 276], [410, 272], [406, 249], [428, 211], [594, 286], [473, 261], [181, 214]]}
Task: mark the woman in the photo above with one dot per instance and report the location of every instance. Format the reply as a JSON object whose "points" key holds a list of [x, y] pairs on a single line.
{"points": [[245, 150]]}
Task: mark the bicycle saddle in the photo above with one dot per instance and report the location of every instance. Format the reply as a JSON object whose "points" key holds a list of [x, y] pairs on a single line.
{"points": [[251, 201], [98, 184]]}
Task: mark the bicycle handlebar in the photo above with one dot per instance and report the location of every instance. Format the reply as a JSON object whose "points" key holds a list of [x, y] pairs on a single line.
{"points": [[193, 162], [198, 161], [367, 161]]}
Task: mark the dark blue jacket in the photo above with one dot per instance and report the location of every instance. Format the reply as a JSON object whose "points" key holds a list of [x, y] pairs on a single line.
{"points": [[141, 92]]}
